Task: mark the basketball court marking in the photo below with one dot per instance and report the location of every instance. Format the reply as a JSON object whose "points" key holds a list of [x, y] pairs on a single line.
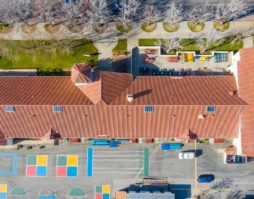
{"points": [[15, 163], [3, 191], [67, 166], [102, 192], [89, 162], [47, 197], [36, 166]]}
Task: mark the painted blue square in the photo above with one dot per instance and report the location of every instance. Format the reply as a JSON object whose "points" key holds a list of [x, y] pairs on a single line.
{"points": [[105, 196], [41, 171], [72, 171], [3, 195]]}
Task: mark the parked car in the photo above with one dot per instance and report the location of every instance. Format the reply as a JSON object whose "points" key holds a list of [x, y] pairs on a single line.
{"points": [[206, 178], [186, 155], [235, 159]]}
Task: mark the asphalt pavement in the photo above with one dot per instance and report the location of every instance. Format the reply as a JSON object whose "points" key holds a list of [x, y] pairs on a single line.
{"points": [[122, 166]]}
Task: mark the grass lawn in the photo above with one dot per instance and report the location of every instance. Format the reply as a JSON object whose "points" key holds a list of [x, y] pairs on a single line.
{"points": [[148, 42], [121, 46], [41, 54], [123, 29]]}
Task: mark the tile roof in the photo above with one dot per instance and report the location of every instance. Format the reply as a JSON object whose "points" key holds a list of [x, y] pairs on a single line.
{"points": [[189, 90], [246, 92], [121, 121], [101, 107], [40, 91], [105, 86]]}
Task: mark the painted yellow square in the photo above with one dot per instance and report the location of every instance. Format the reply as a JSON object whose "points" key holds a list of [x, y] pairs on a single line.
{"points": [[72, 160], [42, 160], [3, 188], [106, 189]]}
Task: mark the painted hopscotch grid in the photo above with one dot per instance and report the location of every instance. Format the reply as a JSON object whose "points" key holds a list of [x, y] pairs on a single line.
{"points": [[67, 166], [102, 192], [36, 165], [15, 164], [3, 191]]}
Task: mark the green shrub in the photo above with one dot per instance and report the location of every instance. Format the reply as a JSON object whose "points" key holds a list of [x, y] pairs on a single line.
{"points": [[171, 139], [112, 139], [41, 147], [203, 140], [18, 147], [89, 139], [28, 147]]}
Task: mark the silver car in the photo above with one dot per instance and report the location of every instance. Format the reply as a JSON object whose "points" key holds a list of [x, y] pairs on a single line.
{"points": [[186, 155]]}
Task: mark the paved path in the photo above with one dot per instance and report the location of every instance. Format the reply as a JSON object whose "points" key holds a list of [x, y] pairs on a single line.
{"points": [[248, 42]]}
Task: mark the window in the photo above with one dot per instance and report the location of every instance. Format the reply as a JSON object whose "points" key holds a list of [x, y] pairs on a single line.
{"points": [[149, 109], [9, 108], [210, 109], [58, 109]]}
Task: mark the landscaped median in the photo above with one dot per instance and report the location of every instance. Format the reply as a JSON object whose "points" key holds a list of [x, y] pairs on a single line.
{"points": [[46, 54]]}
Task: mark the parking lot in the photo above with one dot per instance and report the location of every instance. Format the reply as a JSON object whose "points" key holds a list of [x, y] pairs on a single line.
{"points": [[120, 167]]}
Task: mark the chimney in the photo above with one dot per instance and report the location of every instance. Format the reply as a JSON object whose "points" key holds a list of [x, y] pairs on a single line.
{"points": [[130, 97]]}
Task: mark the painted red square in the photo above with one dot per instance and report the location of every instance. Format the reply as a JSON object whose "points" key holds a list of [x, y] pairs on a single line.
{"points": [[61, 172], [98, 196], [30, 170]]}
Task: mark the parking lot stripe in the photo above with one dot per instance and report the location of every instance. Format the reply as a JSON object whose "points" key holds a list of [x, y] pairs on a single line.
{"points": [[89, 162], [146, 162], [196, 186]]}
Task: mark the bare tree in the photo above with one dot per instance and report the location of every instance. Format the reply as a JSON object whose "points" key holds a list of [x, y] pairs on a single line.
{"points": [[73, 13], [200, 14], [98, 12], [169, 45], [128, 10], [151, 14], [209, 39], [233, 10], [174, 13]]}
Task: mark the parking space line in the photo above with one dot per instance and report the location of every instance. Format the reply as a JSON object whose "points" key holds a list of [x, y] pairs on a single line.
{"points": [[196, 178]]}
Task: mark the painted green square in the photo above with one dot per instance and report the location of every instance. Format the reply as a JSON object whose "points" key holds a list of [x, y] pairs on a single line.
{"points": [[62, 161], [98, 189], [31, 160]]}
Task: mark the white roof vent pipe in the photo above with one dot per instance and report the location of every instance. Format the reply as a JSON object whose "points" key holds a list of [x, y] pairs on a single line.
{"points": [[130, 97], [201, 116]]}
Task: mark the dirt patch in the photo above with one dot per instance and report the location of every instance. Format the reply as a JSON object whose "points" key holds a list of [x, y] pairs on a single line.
{"points": [[170, 28], [196, 27], [75, 28], [52, 28], [221, 27], [149, 27], [28, 28], [5, 28], [101, 28]]}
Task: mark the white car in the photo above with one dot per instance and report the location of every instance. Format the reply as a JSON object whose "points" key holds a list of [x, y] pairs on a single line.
{"points": [[186, 155]]}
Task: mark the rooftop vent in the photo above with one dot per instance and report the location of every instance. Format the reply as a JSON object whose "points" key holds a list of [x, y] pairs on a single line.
{"points": [[233, 92], [130, 97], [201, 116]]}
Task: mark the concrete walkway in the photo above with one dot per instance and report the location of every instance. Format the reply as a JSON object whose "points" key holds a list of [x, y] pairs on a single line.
{"points": [[248, 42]]}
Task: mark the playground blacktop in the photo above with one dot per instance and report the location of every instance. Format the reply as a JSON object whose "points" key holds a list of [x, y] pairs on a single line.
{"points": [[65, 170]]}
